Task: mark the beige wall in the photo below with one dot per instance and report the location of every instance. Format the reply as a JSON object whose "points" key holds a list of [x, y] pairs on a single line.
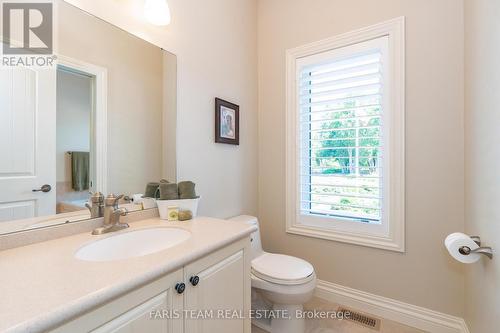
{"points": [[215, 43], [135, 96], [482, 282], [425, 275]]}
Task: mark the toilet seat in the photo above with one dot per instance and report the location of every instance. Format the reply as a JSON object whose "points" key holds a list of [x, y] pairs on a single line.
{"points": [[282, 269]]}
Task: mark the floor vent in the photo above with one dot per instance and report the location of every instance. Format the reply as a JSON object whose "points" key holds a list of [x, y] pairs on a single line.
{"points": [[360, 318]]}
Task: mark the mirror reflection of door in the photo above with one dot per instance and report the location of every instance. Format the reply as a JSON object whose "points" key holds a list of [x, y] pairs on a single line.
{"points": [[46, 134], [27, 134], [74, 139]]}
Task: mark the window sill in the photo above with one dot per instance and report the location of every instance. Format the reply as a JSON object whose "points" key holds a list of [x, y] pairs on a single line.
{"points": [[395, 244]]}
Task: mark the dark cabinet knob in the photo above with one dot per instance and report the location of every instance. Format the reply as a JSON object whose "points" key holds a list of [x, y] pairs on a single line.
{"points": [[180, 287], [194, 280]]}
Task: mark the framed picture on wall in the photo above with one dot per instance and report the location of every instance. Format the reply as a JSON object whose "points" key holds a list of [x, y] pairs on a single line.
{"points": [[227, 122]]}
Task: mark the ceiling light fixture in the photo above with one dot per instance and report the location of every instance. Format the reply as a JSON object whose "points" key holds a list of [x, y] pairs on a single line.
{"points": [[157, 12]]}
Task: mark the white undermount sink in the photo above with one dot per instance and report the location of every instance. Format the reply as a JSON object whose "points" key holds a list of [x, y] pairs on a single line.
{"points": [[132, 244]]}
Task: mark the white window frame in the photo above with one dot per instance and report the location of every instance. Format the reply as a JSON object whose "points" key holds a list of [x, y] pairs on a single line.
{"points": [[390, 234]]}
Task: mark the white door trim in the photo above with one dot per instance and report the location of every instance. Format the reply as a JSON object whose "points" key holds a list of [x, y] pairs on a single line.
{"points": [[100, 114], [404, 313]]}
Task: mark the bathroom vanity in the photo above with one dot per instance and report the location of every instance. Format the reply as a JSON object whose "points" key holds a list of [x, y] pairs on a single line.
{"points": [[201, 284]]}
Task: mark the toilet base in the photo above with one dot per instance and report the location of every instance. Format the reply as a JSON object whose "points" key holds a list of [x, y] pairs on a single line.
{"points": [[285, 301]]}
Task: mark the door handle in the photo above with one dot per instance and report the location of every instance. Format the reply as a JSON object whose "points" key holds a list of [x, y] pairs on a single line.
{"points": [[45, 188]]}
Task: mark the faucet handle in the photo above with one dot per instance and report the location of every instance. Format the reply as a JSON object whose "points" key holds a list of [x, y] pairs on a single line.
{"points": [[112, 200]]}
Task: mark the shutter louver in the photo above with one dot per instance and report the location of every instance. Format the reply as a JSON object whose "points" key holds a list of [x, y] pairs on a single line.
{"points": [[340, 121]]}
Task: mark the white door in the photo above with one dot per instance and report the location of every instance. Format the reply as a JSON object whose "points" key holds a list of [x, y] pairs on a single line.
{"points": [[220, 292], [27, 142]]}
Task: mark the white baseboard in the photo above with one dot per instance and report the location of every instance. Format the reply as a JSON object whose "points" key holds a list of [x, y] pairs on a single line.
{"points": [[407, 314]]}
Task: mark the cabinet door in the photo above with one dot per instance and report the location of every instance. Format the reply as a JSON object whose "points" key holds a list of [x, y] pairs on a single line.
{"points": [[221, 288], [146, 317], [151, 308]]}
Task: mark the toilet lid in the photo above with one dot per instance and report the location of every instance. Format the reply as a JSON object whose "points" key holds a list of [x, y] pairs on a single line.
{"points": [[282, 269]]}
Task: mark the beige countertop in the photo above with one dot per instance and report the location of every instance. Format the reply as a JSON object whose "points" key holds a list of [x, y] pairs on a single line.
{"points": [[42, 285]]}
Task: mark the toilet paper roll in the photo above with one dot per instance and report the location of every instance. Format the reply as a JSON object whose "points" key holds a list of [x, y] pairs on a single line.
{"points": [[455, 241]]}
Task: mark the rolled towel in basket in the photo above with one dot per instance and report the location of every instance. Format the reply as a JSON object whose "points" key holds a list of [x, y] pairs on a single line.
{"points": [[186, 190], [151, 190], [169, 191]]}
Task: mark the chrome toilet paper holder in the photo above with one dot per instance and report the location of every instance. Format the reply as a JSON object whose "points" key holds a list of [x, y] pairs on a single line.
{"points": [[486, 250]]}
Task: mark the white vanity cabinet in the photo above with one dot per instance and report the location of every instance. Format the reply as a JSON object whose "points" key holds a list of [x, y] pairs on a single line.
{"points": [[214, 289]]}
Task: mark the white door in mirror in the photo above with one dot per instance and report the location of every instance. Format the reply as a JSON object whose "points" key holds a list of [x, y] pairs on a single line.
{"points": [[28, 136], [131, 244]]}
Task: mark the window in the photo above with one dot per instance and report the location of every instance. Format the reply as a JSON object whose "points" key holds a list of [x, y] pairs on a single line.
{"points": [[345, 138]]}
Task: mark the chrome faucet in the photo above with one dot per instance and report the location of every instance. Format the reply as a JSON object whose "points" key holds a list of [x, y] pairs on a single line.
{"points": [[96, 206], [112, 216]]}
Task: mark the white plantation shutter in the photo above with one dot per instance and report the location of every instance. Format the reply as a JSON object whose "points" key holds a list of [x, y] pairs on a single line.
{"points": [[341, 96], [345, 137]]}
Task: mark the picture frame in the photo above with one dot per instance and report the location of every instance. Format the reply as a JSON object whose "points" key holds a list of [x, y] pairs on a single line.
{"points": [[227, 122]]}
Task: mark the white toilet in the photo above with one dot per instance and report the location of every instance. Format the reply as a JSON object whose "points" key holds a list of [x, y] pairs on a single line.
{"points": [[279, 282]]}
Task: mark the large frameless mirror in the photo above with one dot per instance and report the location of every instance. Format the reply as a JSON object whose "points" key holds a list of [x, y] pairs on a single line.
{"points": [[101, 120]]}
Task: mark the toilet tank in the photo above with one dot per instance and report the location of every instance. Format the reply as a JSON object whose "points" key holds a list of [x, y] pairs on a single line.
{"points": [[256, 245]]}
